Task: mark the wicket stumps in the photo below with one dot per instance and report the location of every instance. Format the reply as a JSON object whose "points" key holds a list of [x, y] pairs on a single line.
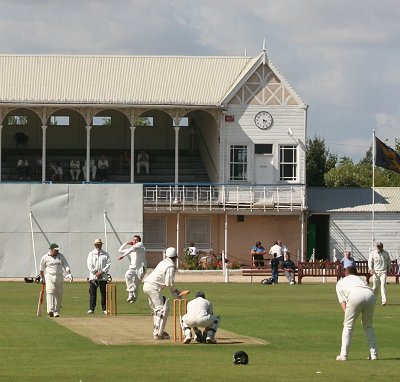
{"points": [[180, 308], [111, 299]]}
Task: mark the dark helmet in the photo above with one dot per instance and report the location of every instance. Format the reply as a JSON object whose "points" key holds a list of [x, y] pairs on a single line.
{"points": [[240, 358], [200, 294]]}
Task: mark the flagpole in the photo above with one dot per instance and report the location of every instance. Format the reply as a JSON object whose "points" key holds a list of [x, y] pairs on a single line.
{"points": [[373, 189]]}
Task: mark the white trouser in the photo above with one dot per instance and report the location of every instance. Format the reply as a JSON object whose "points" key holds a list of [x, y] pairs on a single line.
{"points": [[156, 302], [133, 277], [139, 165], [92, 172], [54, 298], [75, 172], [209, 322], [360, 301], [379, 278]]}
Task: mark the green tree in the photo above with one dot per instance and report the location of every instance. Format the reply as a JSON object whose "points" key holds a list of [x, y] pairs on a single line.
{"points": [[318, 161], [348, 174], [344, 175]]}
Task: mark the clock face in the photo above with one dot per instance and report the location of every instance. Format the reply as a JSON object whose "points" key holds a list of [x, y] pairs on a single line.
{"points": [[263, 120]]}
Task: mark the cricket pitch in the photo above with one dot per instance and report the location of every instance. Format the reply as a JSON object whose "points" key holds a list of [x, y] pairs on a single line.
{"points": [[137, 330]]}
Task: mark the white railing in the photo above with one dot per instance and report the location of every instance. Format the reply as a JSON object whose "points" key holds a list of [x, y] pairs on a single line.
{"points": [[223, 196]]}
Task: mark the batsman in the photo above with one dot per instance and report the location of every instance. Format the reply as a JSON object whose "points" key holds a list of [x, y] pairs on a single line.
{"points": [[52, 265], [162, 276]]}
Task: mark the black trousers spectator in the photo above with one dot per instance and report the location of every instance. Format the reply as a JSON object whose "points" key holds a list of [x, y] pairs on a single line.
{"points": [[94, 284]]}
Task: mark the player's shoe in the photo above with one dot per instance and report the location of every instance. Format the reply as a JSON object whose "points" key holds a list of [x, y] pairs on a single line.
{"points": [[341, 358], [373, 357], [90, 311], [164, 336], [211, 340], [51, 314], [199, 336]]}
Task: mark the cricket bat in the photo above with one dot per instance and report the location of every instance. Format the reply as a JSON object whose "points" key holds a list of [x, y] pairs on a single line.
{"points": [[40, 302]]}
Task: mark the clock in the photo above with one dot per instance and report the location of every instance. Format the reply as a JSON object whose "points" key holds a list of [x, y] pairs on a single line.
{"points": [[263, 120]]}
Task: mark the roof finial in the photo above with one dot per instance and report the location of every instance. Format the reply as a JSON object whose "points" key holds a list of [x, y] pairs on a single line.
{"points": [[265, 57]]}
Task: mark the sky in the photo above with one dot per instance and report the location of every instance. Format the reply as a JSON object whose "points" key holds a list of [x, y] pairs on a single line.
{"points": [[342, 57]]}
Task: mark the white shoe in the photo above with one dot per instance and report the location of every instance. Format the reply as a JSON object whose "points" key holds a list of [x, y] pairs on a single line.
{"points": [[292, 283], [90, 311], [105, 312], [373, 357], [211, 340], [187, 340], [56, 314], [131, 298], [341, 358], [164, 336]]}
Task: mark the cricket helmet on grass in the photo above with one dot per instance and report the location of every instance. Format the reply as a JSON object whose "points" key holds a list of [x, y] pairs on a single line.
{"points": [[240, 358]]}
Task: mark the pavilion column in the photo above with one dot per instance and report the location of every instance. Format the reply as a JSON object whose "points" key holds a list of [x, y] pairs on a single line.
{"points": [[176, 153], [88, 128], [44, 130], [132, 153], [1, 133]]}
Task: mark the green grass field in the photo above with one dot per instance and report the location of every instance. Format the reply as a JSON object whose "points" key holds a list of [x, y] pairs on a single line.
{"points": [[302, 325]]}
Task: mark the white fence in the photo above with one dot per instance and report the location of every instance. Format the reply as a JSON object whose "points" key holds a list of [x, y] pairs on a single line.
{"points": [[211, 197]]}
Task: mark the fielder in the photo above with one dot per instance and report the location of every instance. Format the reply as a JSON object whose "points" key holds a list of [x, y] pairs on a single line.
{"points": [[162, 276], [378, 264], [52, 265], [136, 271], [356, 297], [200, 314]]}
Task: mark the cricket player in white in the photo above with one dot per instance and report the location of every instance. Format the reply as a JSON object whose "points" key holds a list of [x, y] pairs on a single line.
{"points": [[356, 297], [52, 265], [378, 264], [136, 271], [200, 314], [162, 276]]}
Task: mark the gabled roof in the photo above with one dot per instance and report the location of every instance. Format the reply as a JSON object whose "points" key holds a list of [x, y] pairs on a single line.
{"points": [[143, 80], [324, 200], [126, 80], [261, 59]]}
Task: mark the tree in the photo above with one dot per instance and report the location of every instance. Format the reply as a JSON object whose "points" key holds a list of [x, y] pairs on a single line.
{"points": [[344, 175], [348, 174], [318, 161]]}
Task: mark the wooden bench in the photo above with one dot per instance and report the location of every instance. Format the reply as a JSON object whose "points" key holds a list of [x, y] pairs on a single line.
{"points": [[335, 269], [318, 269]]}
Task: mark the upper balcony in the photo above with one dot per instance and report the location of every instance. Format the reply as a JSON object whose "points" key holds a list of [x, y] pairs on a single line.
{"points": [[223, 197]]}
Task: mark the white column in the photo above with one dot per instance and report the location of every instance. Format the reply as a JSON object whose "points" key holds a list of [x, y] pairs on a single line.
{"points": [[132, 153], [176, 153], [1, 131], [224, 267], [44, 129], [88, 128], [177, 238], [302, 237]]}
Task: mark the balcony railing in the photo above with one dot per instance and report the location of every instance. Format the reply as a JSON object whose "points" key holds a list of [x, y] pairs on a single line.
{"points": [[224, 197]]}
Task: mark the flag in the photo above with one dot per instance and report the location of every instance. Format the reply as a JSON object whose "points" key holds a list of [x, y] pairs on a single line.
{"points": [[386, 157]]}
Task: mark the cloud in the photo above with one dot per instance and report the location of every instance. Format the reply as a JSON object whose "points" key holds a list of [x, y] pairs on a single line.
{"points": [[341, 56]]}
